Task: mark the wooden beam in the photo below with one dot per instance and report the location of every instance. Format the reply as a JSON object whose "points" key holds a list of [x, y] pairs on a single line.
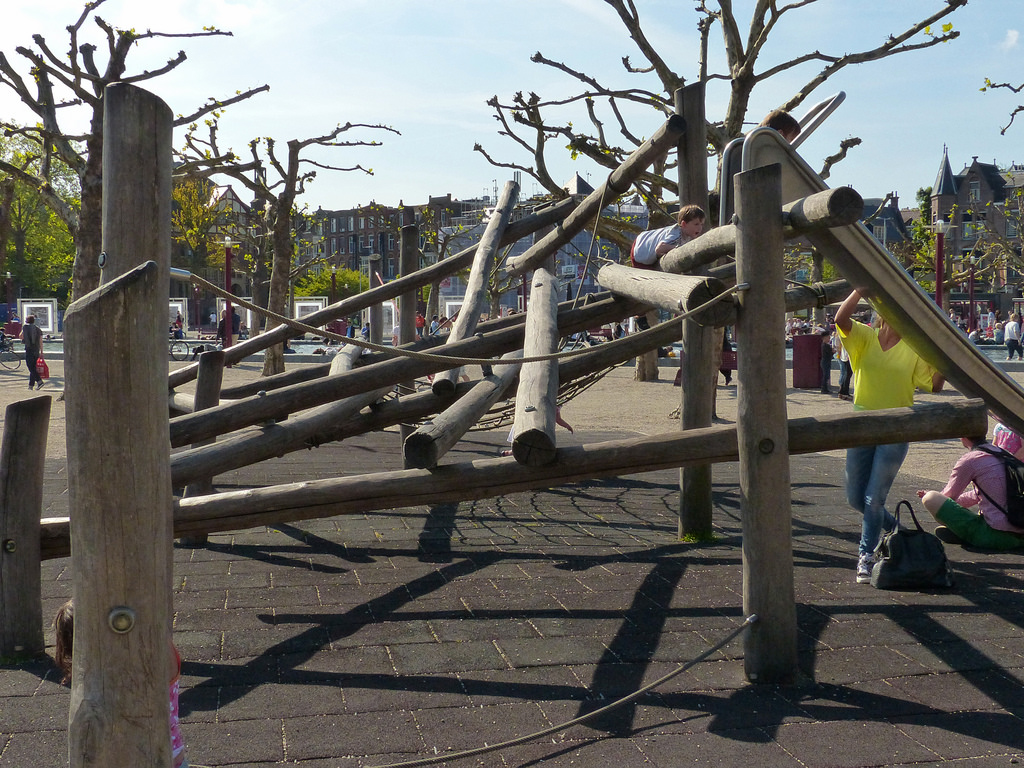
{"points": [[765, 493], [475, 299], [617, 183], [673, 293], [488, 478], [541, 217], [533, 443], [816, 212], [22, 461]]}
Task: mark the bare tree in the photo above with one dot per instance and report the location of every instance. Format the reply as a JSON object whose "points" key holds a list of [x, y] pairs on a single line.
{"points": [[77, 80], [539, 125], [277, 195], [1013, 89]]}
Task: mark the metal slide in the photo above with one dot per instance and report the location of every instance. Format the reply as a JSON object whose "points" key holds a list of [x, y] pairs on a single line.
{"points": [[870, 267]]}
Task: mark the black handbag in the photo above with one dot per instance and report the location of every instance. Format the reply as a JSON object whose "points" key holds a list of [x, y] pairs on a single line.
{"points": [[910, 558]]}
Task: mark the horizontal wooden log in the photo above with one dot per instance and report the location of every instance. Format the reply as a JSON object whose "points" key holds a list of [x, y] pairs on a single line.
{"points": [[822, 210], [540, 218], [487, 478], [673, 293]]}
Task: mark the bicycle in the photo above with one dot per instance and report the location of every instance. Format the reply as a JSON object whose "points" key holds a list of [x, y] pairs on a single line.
{"points": [[9, 359], [178, 349]]}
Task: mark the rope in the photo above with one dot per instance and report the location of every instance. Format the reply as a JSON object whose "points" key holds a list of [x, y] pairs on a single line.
{"points": [[452, 361], [583, 718]]}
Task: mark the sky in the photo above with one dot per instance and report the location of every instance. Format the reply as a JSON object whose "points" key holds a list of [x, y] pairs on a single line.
{"points": [[427, 69]]}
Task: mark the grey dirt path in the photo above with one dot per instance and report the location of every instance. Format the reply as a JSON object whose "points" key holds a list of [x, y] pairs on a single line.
{"points": [[373, 639]]}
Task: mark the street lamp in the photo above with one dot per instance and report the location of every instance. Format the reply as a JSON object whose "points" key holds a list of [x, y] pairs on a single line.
{"points": [[334, 283], [229, 317], [973, 260], [10, 296], [941, 227]]}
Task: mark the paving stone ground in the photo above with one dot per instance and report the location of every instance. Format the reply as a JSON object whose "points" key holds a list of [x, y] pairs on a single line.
{"points": [[370, 640]]}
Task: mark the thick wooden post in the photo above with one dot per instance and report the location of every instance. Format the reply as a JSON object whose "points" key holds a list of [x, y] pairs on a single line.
{"points": [[22, 459], [697, 382], [119, 485], [408, 262], [536, 398], [762, 431], [208, 385]]}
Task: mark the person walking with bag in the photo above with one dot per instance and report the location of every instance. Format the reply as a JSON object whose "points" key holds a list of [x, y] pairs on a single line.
{"points": [[33, 339], [887, 370]]}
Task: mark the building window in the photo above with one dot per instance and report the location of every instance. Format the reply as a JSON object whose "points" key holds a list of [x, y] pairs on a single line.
{"points": [[1011, 228], [362, 222], [974, 194], [334, 224]]}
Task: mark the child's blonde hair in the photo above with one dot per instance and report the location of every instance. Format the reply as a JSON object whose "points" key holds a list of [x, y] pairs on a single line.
{"points": [[64, 626]]}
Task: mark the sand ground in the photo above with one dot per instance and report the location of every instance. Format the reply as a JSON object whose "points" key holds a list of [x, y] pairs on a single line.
{"points": [[617, 402]]}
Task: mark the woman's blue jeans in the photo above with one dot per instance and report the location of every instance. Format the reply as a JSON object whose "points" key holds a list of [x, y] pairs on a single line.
{"points": [[870, 472]]}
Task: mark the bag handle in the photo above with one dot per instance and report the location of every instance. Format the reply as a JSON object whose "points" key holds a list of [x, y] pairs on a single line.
{"points": [[913, 517]]}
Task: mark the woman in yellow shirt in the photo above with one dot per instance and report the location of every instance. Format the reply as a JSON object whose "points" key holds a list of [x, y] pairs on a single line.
{"points": [[886, 372]]}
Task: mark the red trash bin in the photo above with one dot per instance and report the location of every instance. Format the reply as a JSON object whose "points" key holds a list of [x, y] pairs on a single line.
{"points": [[807, 361]]}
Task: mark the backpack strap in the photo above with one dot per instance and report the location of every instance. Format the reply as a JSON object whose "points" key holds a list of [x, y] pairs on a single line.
{"points": [[999, 453]]}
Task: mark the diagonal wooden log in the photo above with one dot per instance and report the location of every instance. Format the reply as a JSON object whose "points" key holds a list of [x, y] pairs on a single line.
{"points": [[475, 300], [487, 478], [822, 210], [617, 183], [274, 405], [425, 447], [542, 217]]}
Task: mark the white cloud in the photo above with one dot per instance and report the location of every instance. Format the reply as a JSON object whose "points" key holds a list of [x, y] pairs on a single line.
{"points": [[1010, 41]]}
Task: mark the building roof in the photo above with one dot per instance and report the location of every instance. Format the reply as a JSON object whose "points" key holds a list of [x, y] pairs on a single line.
{"points": [[945, 183], [577, 186]]}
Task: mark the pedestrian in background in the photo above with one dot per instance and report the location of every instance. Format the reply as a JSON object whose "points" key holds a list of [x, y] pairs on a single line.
{"points": [[33, 339]]}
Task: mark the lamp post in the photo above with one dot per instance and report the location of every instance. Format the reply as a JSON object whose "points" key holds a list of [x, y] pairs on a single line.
{"points": [[228, 314], [334, 283], [941, 227], [973, 260], [10, 295]]}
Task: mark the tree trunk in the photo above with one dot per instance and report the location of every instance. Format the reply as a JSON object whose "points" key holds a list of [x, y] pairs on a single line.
{"points": [[273, 358], [647, 363]]}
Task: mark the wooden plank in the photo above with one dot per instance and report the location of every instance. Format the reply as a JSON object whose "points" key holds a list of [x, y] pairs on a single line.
{"points": [[211, 376], [22, 460]]}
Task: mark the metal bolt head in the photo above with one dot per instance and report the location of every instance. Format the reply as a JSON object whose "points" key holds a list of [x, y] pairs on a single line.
{"points": [[766, 446], [121, 619], [10, 546]]}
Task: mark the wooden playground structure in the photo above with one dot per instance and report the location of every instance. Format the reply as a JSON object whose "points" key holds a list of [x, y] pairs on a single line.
{"points": [[124, 514]]}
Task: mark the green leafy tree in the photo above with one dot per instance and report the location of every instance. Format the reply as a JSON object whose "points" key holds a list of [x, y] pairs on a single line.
{"points": [[37, 246], [195, 219]]}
